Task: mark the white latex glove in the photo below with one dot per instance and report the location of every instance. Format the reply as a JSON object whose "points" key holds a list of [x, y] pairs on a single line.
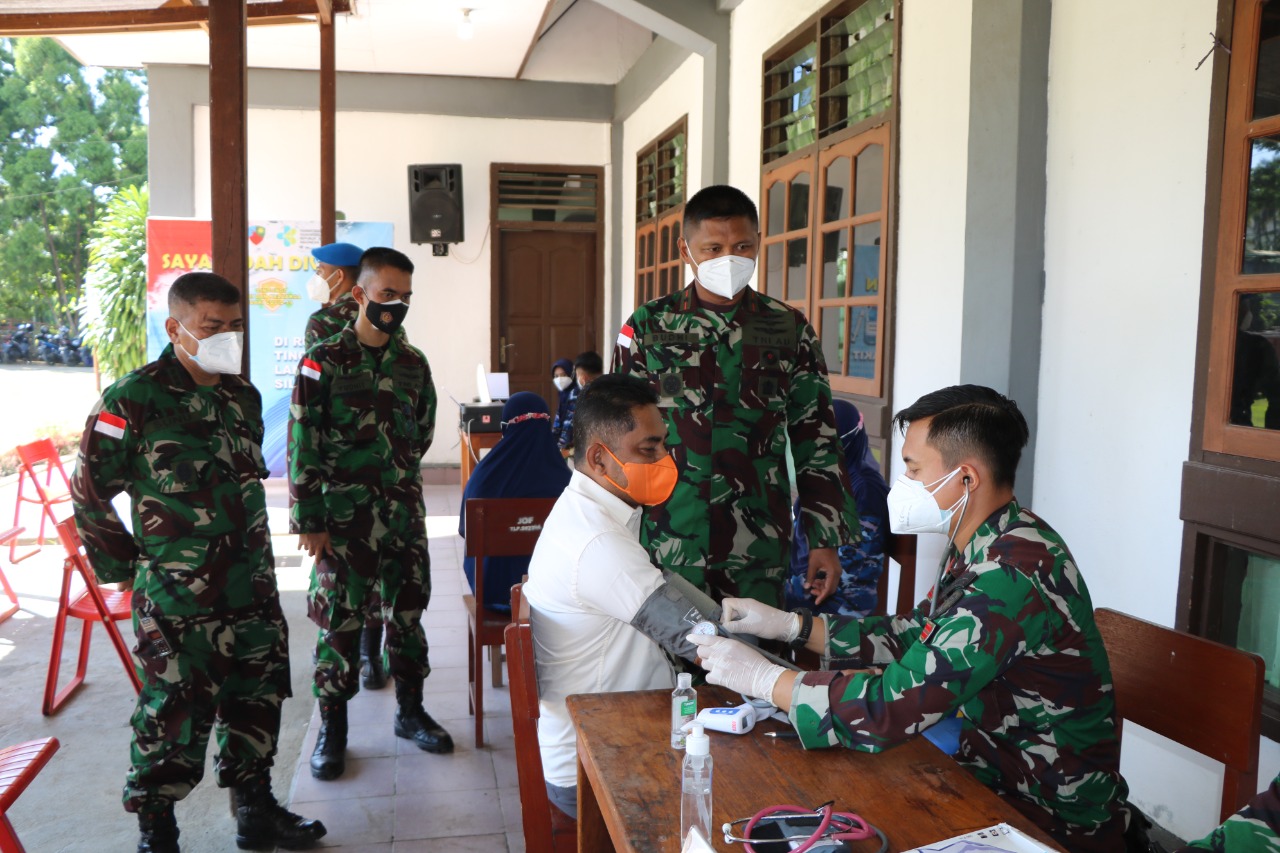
{"points": [[737, 666], [748, 616]]}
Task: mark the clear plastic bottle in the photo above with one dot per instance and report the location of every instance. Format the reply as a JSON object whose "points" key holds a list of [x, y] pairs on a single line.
{"points": [[684, 707], [695, 784]]}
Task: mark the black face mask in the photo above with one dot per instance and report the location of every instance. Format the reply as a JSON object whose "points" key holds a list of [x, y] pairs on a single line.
{"points": [[386, 316]]}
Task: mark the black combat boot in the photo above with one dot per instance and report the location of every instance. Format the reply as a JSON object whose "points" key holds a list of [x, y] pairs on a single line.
{"points": [[159, 831], [415, 724], [372, 674], [262, 823], [328, 758]]}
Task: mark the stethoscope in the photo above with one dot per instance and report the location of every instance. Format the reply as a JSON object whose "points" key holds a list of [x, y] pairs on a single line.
{"points": [[832, 826]]}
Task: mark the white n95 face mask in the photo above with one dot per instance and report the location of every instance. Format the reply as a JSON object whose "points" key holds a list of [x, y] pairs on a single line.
{"points": [[725, 276], [318, 288], [914, 509], [218, 353], [562, 382]]}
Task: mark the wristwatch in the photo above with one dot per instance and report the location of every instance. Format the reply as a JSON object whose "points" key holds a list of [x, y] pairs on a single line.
{"points": [[806, 627]]}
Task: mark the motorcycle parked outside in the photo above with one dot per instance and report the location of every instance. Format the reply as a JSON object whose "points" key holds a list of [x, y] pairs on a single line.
{"points": [[17, 347], [68, 347], [47, 347], [86, 354]]}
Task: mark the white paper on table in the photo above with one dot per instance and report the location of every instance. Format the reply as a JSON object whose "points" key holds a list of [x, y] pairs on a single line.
{"points": [[1000, 837], [695, 843]]}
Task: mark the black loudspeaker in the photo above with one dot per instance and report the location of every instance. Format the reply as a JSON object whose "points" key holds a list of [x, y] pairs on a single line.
{"points": [[435, 203]]}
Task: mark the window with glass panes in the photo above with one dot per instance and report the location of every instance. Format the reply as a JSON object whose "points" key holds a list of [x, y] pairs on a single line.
{"points": [[1230, 581], [827, 168], [660, 195]]}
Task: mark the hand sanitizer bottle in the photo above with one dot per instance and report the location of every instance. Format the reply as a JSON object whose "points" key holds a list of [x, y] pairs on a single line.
{"points": [[695, 784], [684, 707]]}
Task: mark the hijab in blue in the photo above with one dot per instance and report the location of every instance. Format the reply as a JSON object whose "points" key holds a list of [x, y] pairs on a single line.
{"points": [[524, 464], [563, 408], [870, 491]]}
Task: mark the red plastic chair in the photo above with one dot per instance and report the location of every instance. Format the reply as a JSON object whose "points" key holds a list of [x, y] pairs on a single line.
{"points": [[19, 765], [92, 604], [48, 494], [10, 535]]}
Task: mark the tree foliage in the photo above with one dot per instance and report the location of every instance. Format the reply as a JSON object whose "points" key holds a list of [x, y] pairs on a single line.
{"points": [[113, 310], [68, 137]]}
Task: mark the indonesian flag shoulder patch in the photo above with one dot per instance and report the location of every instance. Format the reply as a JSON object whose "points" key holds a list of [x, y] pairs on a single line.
{"points": [[310, 369], [930, 628], [625, 336], [109, 424]]}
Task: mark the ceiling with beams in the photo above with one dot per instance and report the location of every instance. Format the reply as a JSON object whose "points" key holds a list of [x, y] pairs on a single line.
{"points": [[578, 41]]}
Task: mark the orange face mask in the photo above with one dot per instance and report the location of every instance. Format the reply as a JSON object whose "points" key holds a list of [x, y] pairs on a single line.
{"points": [[648, 483]]}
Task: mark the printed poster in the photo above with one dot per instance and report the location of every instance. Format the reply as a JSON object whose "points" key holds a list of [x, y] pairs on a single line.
{"points": [[280, 263]]}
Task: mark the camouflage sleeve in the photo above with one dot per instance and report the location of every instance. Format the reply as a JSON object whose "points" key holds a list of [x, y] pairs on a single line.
{"points": [[626, 351], [872, 640], [1254, 827], [827, 508], [102, 471], [308, 469], [953, 658], [427, 414], [315, 328]]}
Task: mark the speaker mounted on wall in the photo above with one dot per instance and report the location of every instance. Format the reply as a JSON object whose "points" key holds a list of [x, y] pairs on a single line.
{"points": [[435, 203]]}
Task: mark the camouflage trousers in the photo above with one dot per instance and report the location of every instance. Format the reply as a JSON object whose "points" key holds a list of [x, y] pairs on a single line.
{"points": [[229, 673], [383, 553]]}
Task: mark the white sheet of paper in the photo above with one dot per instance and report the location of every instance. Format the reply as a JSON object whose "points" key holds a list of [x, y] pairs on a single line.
{"points": [[1001, 838], [499, 386], [695, 843]]}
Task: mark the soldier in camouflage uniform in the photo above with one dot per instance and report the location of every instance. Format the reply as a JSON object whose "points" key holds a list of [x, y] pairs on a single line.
{"points": [[337, 266], [363, 415], [739, 375], [1007, 637], [1253, 829], [182, 436]]}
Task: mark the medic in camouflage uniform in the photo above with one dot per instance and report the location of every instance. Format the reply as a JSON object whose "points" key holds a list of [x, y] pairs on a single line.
{"points": [[363, 415], [1011, 643], [337, 266], [182, 436], [1253, 829], [738, 374]]}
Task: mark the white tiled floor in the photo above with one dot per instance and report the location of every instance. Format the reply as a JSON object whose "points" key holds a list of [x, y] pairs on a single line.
{"points": [[394, 797]]}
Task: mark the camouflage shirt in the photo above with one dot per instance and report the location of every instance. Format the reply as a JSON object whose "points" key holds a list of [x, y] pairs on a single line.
{"points": [[331, 319], [1255, 828], [1014, 647], [360, 422], [190, 457], [735, 386]]}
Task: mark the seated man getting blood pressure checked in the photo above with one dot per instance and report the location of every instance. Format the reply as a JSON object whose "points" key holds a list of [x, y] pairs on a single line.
{"points": [[1006, 637]]}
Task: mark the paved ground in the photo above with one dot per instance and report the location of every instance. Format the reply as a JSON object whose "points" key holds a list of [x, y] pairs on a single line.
{"points": [[43, 397]]}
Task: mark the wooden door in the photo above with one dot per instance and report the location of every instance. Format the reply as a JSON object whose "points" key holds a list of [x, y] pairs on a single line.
{"points": [[546, 304]]}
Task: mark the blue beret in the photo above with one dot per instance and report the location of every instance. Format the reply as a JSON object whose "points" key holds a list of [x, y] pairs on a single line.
{"points": [[338, 254]]}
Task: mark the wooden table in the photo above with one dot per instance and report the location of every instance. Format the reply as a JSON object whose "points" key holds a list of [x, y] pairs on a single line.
{"points": [[472, 443], [629, 780]]}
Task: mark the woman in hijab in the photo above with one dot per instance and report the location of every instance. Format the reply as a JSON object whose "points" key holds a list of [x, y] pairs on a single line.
{"points": [[562, 378], [524, 464], [863, 562]]}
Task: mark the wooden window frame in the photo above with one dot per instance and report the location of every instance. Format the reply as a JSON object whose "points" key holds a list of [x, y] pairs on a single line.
{"points": [[1230, 282], [1231, 480], [659, 269], [872, 396]]}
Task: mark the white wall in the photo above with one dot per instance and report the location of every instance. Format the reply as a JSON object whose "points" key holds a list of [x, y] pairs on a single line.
{"points": [[450, 316], [1127, 140], [679, 94]]}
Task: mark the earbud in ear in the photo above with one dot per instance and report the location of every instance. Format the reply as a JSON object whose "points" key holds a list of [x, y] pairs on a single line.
{"points": [[966, 481]]}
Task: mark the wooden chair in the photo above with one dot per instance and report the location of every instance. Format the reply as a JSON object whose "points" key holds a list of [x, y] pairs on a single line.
{"points": [[7, 536], [546, 828], [496, 527], [47, 494], [902, 548], [1202, 694], [19, 765], [93, 603]]}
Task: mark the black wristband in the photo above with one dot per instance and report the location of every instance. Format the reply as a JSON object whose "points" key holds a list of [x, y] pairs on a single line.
{"points": [[806, 627]]}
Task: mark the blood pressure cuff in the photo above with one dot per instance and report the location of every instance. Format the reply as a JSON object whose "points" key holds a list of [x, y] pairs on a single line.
{"points": [[670, 612]]}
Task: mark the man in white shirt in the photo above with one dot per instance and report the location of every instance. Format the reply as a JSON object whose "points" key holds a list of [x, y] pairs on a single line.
{"points": [[589, 575]]}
